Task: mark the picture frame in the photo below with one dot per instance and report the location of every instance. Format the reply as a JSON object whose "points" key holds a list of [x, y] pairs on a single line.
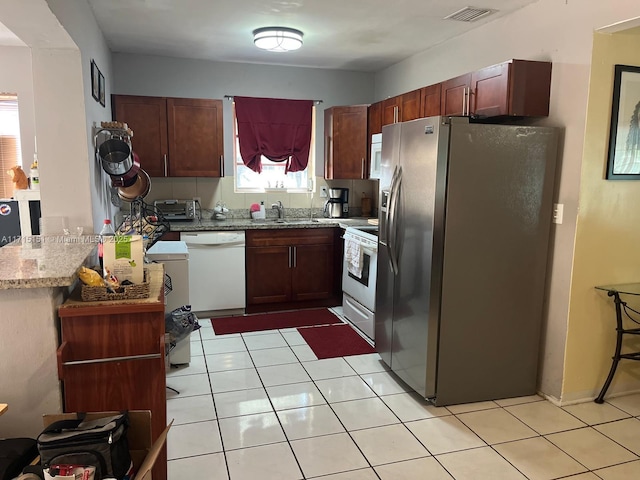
{"points": [[623, 161], [95, 81], [101, 89]]}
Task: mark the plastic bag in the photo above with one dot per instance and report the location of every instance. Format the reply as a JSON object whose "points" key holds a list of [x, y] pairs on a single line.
{"points": [[180, 323]]}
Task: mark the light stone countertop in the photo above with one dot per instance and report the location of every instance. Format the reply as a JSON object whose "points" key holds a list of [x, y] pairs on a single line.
{"points": [[248, 224], [41, 262]]}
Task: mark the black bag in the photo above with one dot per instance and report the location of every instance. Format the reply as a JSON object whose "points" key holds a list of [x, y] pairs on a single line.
{"points": [[15, 454], [101, 442]]}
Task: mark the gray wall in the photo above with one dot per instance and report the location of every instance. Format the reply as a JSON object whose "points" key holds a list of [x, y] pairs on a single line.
{"points": [[178, 77]]}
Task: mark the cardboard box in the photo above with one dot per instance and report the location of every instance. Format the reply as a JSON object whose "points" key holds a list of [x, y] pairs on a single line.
{"points": [[123, 257], [144, 453]]}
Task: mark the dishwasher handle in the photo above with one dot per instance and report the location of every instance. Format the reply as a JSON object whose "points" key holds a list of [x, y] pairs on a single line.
{"points": [[239, 243]]}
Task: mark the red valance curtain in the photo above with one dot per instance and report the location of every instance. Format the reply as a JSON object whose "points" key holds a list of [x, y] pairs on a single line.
{"points": [[276, 128]]}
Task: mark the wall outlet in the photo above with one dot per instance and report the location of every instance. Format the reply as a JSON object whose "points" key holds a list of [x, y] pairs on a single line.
{"points": [[323, 192]]}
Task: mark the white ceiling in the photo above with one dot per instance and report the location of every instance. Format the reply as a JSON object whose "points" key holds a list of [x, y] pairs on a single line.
{"points": [[361, 35]]}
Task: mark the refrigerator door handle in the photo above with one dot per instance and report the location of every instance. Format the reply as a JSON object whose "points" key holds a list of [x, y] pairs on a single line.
{"points": [[391, 223], [394, 251]]}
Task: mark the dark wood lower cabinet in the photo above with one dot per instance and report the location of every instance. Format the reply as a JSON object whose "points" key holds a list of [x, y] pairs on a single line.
{"points": [[112, 357], [292, 268]]}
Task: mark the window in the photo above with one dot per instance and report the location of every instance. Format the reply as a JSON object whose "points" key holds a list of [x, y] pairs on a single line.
{"points": [[10, 154], [272, 176]]}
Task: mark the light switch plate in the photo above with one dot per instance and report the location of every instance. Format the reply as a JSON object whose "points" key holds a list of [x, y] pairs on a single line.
{"points": [[558, 212], [323, 192]]}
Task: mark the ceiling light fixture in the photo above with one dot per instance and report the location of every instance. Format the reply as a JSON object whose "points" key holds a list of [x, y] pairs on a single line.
{"points": [[277, 39]]}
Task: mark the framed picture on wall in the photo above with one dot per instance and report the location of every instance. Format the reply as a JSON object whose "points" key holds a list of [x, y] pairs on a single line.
{"points": [[101, 88], [624, 137], [95, 81]]}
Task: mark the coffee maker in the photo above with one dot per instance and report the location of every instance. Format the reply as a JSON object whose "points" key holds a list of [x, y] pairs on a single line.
{"points": [[338, 204]]}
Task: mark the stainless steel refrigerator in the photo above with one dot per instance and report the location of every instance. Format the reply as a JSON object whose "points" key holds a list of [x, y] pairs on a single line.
{"points": [[465, 217]]}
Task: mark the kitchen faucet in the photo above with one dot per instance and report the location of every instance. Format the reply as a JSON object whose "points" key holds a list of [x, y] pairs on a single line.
{"points": [[280, 209]]}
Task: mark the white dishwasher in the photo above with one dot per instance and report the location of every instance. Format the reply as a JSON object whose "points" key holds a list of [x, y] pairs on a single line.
{"points": [[216, 270]]}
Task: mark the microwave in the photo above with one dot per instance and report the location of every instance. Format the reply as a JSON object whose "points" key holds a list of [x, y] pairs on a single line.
{"points": [[376, 155]]}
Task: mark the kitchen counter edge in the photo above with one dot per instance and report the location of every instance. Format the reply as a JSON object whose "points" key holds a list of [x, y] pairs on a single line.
{"points": [[247, 224]]}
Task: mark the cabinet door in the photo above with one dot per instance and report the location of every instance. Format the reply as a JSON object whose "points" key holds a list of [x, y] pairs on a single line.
{"points": [[147, 117], [490, 91], [346, 142], [391, 110], [195, 137], [410, 106], [268, 274], [430, 100], [454, 95], [312, 273], [375, 118]]}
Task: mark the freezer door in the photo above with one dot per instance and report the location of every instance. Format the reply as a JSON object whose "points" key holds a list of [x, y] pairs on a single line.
{"points": [[385, 276], [416, 241], [498, 218]]}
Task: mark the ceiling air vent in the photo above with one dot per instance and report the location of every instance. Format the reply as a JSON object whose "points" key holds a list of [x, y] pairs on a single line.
{"points": [[469, 14]]}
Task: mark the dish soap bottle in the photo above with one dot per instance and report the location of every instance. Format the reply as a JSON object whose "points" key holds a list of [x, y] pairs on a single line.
{"points": [[34, 178]]}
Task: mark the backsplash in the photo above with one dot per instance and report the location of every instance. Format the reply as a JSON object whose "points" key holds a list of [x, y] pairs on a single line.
{"points": [[213, 191]]}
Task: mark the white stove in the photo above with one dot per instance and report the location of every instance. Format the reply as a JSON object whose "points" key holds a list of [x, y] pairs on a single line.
{"points": [[359, 271]]}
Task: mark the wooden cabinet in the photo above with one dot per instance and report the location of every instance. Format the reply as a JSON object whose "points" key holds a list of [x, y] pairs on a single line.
{"points": [[401, 108], [519, 88], [375, 118], [454, 95], [345, 148], [292, 268], [112, 357], [430, 100], [174, 137], [170, 237]]}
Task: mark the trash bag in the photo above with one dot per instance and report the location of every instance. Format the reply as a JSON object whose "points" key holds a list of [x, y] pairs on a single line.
{"points": [[180, 323]]}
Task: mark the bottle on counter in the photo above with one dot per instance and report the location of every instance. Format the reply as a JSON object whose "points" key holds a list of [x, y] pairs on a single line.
{"points": [[107, 231]]}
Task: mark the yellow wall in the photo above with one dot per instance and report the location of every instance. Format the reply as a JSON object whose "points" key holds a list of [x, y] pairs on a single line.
{"points": [[607, 248]]}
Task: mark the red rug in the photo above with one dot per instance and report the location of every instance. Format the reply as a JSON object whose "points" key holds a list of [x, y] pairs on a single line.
{"points": [[273, 321], [332, 341]]}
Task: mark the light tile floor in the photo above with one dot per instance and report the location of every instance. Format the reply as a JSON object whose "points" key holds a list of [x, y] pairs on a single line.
{"points": [[262, 406]]}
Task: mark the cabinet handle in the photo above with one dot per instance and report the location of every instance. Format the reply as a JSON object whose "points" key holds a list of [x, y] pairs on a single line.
{"points": [[290, 253], [222, 165], [395, 114], [363, 169], [464, 99], [148, 356], [469, 101], [295, 257], [165, 164]]}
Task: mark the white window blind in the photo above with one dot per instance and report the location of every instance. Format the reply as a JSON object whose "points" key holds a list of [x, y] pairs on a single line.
{"points": [[10, 154]]}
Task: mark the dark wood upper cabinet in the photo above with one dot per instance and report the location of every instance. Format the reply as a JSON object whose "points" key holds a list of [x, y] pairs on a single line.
{"points": [[174, 137], [430, 100], [454, 95], [518, 88], [345, 149], [147, 117], [195, 137], [401, 108], [375, 118]]}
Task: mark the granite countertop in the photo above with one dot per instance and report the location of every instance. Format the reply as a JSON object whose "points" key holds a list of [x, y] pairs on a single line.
{"points": [[41, 262], [248, 224]]}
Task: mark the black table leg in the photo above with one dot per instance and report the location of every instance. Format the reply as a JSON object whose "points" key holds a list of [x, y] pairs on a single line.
{"points": [[616, 355]]}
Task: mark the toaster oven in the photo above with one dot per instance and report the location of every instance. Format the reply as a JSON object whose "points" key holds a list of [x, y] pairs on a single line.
{"points": [[176, 209]]}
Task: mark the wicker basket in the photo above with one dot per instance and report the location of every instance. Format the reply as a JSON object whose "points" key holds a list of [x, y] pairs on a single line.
{"points": [[126, 292]]}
